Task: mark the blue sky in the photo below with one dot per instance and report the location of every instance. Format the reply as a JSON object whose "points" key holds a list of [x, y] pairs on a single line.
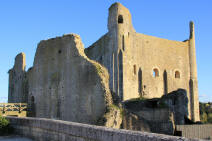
{"points": [[24, 23]]}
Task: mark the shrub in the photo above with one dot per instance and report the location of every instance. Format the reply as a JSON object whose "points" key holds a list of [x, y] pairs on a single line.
{"points": [[3, 122], [204, 117], [205, 112], [4, 126], [210, 118]]}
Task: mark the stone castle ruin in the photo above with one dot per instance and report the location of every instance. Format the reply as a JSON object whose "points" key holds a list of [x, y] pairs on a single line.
{"points": [[70, 82]]}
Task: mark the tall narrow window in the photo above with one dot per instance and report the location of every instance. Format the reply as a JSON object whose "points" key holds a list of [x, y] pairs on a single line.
{"points": [[32, 108], [140, 81], [120, 19], [32, 99], [165, 82], [100, 59], [123, 45], [134, 69], [177, 74], [155, 72], [120, 75], [191, 89]]}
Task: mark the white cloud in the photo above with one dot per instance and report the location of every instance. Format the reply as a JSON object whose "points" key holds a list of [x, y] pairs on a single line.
{"points": [[205, 98], [3, 99]]}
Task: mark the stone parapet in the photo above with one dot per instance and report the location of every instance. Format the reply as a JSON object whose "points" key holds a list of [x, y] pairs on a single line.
{"points": [[42, 129]]}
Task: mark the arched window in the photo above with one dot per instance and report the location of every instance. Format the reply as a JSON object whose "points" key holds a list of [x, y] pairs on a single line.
{"points": [[120, 19], [155, 72], [177, 74], [134, 69]]}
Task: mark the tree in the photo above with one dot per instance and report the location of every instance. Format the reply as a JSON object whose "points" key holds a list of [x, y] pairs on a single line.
{"points": [[4, 125]]}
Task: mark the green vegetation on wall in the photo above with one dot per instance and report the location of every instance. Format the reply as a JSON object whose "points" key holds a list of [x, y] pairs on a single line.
{"points": [[99, 69]]}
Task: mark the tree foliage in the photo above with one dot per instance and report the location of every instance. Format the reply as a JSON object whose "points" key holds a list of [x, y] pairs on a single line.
{"points": [[4, 126], [205, 112]]}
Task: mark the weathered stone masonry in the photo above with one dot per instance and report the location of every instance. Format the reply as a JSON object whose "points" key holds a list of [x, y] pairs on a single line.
{"points": [[145, 66], [17, 81], [64, 83]]}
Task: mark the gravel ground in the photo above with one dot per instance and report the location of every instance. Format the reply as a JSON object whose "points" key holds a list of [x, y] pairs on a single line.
{"points": [[14, 138]]}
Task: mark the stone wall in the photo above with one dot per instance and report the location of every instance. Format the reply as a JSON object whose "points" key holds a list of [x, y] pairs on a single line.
{"points": [[55, 130], [202, 131], [165, 56], [149, 121], [158, 115], [177, 102], [64, 84]]}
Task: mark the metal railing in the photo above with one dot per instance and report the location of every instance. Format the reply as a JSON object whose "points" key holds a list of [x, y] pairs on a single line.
{"points": [[13, 109]]}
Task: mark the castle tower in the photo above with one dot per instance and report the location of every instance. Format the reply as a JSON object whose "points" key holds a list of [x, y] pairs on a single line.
{"points": [[119, 18], [120, 27], [193, 83]]}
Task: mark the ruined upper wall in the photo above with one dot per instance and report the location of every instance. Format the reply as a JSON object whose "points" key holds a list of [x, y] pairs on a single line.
{"points": [[20, 62], [17, 80], [65, 84]]}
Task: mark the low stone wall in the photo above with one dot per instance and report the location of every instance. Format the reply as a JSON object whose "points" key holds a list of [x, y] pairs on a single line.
{"points": [[202, 131], [146, 120], [55, 130]]}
